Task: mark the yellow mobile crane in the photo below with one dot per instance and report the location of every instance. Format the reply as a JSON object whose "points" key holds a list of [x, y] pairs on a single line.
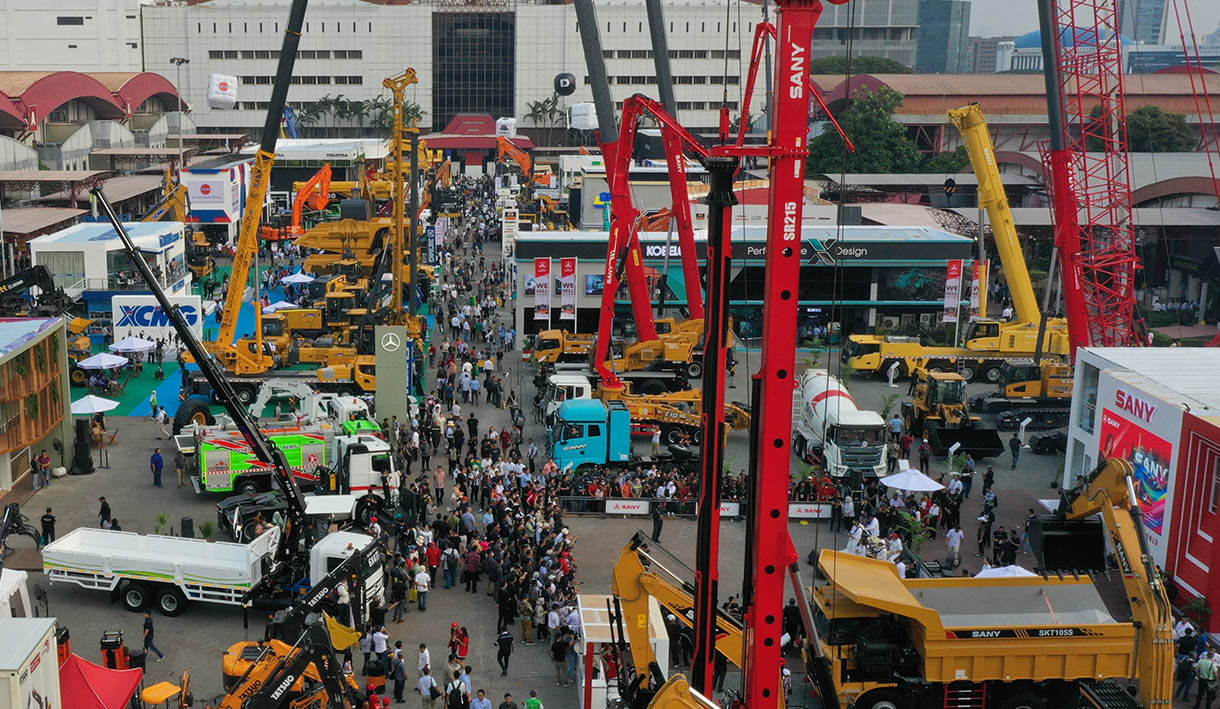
{"points": [[989, 343], [253, 357]]}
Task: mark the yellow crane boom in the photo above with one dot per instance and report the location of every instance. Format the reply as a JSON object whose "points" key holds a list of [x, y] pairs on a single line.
{"points": [[972, 125]]}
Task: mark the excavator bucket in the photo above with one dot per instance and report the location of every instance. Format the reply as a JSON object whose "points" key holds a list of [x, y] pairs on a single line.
{"points": [[1068, 546], [979, 442]]}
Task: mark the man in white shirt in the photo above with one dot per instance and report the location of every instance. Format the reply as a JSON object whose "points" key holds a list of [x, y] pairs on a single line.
{"points": [[954, 539], [381, 643], [425, 658], [422, 583]]}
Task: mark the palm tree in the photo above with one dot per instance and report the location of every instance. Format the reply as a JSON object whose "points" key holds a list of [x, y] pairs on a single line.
{"points": [[546, 114], [359, 111], [381, 110], [412, 113]]}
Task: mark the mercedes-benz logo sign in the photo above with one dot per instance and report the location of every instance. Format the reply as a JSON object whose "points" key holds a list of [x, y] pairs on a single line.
{"points": [[390, 342]]}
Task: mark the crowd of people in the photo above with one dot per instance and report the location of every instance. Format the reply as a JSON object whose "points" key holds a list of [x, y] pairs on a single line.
{"points": [[471, 515]]}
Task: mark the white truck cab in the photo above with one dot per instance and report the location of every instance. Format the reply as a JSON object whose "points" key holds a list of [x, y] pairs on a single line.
{"points": [[565, 387]]}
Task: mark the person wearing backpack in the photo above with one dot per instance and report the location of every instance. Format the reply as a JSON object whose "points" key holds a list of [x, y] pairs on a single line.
{"points": [[455, 693], [533, 702]]}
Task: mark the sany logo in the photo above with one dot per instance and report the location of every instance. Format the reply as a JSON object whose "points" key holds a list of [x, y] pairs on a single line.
{"points": [[796, 72], [152, 316], [1136, 407]]}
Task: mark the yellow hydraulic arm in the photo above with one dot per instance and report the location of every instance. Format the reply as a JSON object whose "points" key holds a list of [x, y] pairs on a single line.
{"points": [[241, 360], [973, 128], [1110, 492], [173, 201], [398, 241], [634, 583]]}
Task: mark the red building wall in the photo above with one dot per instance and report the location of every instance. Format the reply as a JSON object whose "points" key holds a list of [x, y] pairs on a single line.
{"points": [[1196, 515]]}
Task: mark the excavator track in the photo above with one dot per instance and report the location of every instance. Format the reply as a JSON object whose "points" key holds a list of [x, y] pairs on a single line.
{"points": [[1044, 418]]}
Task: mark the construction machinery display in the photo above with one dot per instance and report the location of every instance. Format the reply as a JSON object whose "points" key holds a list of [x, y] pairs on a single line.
{"points": [[988, 342], [1046, 640], [937, 411], [827, 428]]}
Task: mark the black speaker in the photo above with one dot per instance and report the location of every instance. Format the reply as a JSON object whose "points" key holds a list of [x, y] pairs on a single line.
{"points": [[188, 527], [358, 209], [82, 454]]}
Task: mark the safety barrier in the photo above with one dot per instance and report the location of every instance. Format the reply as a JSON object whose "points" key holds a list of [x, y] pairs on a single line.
{"points": [[639, 506]]}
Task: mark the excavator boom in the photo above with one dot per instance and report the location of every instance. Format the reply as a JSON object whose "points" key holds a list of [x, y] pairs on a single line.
{"points": [[315, 194]]}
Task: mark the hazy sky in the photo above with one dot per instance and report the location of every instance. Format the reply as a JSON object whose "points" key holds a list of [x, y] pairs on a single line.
{"points": [[1015, 17]]}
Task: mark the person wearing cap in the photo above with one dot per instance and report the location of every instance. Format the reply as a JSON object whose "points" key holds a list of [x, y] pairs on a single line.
{"points": [[925, 456]]}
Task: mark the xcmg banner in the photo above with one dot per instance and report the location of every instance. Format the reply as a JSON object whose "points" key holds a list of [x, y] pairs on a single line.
{"points": [[141, 316], [567, 289], [542, 289]]}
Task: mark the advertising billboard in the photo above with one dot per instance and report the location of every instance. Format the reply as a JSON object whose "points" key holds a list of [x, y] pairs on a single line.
{"points": [[141, 316], [1136, 421]]}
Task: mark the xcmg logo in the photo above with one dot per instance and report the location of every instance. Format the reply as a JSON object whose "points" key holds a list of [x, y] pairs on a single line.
{"points": [[152, 316]]}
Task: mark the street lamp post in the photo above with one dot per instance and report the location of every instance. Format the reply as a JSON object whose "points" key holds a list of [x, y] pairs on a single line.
{"points": [[178, 62]]}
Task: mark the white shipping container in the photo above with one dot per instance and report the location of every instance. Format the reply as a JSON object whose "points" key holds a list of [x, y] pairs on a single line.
{"points": [[222, 91], [29, 664]]}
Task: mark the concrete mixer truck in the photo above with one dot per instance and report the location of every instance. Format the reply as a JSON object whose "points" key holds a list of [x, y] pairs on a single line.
{"points": [[827, 428]]}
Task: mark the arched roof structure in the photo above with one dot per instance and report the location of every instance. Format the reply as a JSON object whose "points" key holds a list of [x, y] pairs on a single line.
{"points": [[30, 96]]}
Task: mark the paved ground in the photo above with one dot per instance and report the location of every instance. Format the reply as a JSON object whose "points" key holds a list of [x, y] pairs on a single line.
{"points": [[196, 639]]}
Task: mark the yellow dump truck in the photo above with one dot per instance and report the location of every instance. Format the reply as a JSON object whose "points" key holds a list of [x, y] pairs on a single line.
{"points": [[1008, 642]]}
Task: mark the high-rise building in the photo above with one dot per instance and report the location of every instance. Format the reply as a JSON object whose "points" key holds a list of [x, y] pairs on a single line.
{"points": [[70, 35], [488, 56], [1143, 21], [944, 36], [981, 54], [882, 28]]}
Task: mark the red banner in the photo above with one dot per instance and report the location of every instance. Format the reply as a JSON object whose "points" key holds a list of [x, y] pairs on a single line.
{"points": [[542, 289], [567, 289]]}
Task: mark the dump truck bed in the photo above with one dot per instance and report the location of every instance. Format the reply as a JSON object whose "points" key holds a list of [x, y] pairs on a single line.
{"points": [[978, 629]]}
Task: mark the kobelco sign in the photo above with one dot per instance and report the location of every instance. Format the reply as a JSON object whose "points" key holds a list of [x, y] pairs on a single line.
{"points": [[142, 316]]}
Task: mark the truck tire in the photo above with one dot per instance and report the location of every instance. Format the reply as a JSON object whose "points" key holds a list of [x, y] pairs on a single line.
{"points": [[885, 369], [136, 596], [694, 368], [937, 367], [79, 377], [247, 486], [245, 394], [992, 373], [366, 508], [193, 411], [652, 387], [968, 372], [1024, 700], [882, 699], [170, 601], [671, 435], [345, 392]]}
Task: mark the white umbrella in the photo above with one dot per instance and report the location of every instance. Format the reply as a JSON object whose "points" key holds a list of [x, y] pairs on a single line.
{"points": [[911, 480], [92, 405], [1004, 572], [279, 305], [132, 344], [102, 360], [297, 278]]}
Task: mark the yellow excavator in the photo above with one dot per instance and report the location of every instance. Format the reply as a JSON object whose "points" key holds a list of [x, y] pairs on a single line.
{"points": [[174, 204]]}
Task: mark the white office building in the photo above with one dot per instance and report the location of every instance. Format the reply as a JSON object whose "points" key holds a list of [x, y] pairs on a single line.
{"points": [[492, 58], [70, 35]]}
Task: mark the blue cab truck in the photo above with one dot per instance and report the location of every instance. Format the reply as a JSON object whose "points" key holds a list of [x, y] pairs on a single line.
{"points": [[590, 432]]}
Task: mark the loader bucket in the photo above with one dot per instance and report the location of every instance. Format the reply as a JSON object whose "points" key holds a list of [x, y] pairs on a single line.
{"points": [[1068, 545], [979, 442]]}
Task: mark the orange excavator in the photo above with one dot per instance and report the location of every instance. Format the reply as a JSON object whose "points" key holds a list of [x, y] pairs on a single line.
{"points": [[314, 194], [504, 147]]}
